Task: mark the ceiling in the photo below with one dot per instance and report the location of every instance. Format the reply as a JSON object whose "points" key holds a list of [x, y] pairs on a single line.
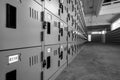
{"points": [[100, 12]]}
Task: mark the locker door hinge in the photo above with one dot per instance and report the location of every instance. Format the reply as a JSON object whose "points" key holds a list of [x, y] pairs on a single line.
{"points": [[42, 16], [42, 75], [48, 28], [42, 56], [42, 36]]}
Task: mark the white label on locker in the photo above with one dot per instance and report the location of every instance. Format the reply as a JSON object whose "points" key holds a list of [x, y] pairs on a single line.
{"points": [[61, 47], [62, 24], [49, 50], [13, 59], [62, 1]]}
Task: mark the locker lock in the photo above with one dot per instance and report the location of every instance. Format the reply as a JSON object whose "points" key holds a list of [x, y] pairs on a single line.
{"points": [[47, 25], [61, 55], [60, 5], [44, 24], [47, 62], [44, 63], [61, 31], [69, 51]]}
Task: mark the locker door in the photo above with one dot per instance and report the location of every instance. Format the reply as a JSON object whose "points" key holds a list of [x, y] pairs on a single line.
{"points": [[63, 10], [51, 28], [51, 60], [23, 25], [63, 54], [22, 64], [30, 67], [63, 32]]}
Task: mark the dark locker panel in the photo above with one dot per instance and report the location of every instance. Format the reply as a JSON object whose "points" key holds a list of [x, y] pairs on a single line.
{"points": [[42, 75], [48, 62], [48, 28], [113, 37], [12, 75], [11, 13]]}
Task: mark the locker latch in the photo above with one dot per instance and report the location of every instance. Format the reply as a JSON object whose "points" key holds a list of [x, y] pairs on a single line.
{"points": [[44, 63], [44, 24], [61, 31], [61, 55], [47, 62], [61, 7], [42, 16]]}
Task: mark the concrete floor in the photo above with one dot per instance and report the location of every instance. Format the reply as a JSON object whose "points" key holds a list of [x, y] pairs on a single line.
{"points": [[94, 62]]}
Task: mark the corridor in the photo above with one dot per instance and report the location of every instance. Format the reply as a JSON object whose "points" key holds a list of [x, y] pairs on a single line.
{"points": [[94, 62]]}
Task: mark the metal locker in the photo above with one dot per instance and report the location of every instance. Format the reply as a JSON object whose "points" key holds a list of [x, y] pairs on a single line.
{"points": [[30, 67], [63, 10], [24, 30], [69, 53], [62, 54], [51, 28], [70, 5], [52, 6], [22, 64], [51, 60]]}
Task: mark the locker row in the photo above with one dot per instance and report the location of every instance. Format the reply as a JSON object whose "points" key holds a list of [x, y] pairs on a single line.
{"points": [[27, 64], [39, 38], [25, 24]]}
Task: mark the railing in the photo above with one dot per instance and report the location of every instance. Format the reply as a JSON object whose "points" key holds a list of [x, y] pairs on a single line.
{"points": [[110, 3]]}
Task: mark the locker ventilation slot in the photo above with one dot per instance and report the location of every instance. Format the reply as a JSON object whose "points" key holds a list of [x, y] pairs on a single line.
{"points": [[11, 75], [11, 16], [33, 60], [55, 52], [33, 13]]}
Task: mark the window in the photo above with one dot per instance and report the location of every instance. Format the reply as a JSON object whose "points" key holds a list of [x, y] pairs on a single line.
{"points": [[11, 16], [11, 75]]}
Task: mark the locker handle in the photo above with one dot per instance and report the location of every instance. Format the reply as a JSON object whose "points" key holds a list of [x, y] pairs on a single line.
{"points": [[61, 31], [48, 28], [62, 7], [48, 62]]}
